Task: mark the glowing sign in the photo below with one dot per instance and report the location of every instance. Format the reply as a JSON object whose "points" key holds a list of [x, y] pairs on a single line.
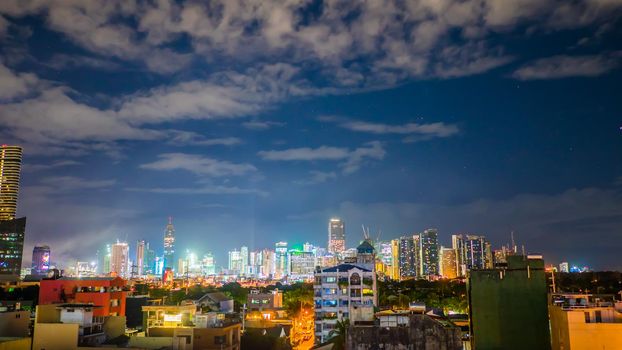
{"points": [[172, 318]]}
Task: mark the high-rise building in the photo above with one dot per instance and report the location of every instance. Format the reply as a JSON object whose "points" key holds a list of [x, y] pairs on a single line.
{"points": [[395, 256], [308, 247], [140, 257], [409, 256], [40, 260], [208, 264], [564, 267], [120, 259], [104, 256], [169, 244], [301, 265], [336, 236], [10, 167], [268, 263], [472, 253], [244, 257], [448, 263], [149, 260], [280, 260], [11, 248], [507, 304], [429, 263], [235, 262]]}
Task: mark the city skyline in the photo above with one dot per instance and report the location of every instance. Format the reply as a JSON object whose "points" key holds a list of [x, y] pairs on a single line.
{"points": [[257, 128]]}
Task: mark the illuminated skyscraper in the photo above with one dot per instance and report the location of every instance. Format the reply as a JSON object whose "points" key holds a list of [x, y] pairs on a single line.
{"points": [[472, 252], [267, 266], [429, 263], [336, 236], [394, 271], [448, 263], [11, 248], [40, 260], [169, 245], [208, 264], [140, 257], [120, 259], [244, 257], [280, 258], [10, 166], [149, 261], [408, 256]]}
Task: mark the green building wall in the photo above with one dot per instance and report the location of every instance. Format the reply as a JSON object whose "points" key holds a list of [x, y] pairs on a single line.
{"points": [[508, 307]]}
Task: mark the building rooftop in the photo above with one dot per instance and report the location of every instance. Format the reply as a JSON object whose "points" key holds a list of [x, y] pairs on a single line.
{"points": [[77, 306], [365, 248], [344, 268]]}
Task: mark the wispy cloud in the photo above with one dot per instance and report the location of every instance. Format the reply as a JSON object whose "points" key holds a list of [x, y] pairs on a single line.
{"points": [[352, 159], [27, 167], [73, 183], [200, 190], [199, 165], [261, 124], [317, 177], [184, 138], [563, 66], [64, 61]]}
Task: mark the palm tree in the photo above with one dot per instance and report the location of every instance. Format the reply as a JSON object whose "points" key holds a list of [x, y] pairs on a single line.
{"points": [[338, 335]]}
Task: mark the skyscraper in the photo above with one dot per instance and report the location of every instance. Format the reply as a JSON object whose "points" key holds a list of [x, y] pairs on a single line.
{"points": [[244, 257], [408, 256], [448, 263], [336, 236], [40, 260], [11, 248], [208, 264], [149, 260], [10, 166], [280, 258], [140, 257], [235, 262], [169, 245], [429, 265], [119, 259], [267, 266], [394, 271], [472, 252]]}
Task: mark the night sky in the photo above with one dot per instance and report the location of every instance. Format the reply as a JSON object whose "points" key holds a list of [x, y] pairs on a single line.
{"points": [[252, 122]]}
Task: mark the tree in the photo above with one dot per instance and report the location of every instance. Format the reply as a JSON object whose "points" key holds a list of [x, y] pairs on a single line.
{"points": [[338, 335], [297, 296]]}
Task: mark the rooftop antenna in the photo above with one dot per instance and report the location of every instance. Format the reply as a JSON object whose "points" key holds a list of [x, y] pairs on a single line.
{"points": [[513, 247]]}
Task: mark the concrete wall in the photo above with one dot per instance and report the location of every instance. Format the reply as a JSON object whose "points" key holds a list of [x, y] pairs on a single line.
{"points": [[570, 332], [55, 336], [151, 342], [114, 326], [14, 323], [422, 333]]}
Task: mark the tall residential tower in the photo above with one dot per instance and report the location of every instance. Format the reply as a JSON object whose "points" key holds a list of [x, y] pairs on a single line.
{"points": [[336, 236], [169, 244], [10, 166]]}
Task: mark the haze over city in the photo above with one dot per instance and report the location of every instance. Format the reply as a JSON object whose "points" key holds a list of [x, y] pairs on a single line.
{"points": [[252, 124]]}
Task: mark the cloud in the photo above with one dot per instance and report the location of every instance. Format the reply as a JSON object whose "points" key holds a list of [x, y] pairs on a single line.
{"points": [[317, 177], [64, 61], [14, 85], [183, 138], [27, 167], [431, 129], [557, 67], [261, 124], [352, 159], [199, 165], [72, 183], [201, 190], [4, 26]]}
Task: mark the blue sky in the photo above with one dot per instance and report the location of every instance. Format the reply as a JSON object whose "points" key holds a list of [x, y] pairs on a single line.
{"points": [[254, 122]]}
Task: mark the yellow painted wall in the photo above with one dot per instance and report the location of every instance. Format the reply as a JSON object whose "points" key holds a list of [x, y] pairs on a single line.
{"points": [[16, 344], [570, 332], [55, 336]]}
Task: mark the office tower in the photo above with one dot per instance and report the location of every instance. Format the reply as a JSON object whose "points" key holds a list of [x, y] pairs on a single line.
{"points": [[149, 260], [301, 265], [280, 260], [140, 257], [307, 247], [564, 267], [448, 263], [11, 248], [408, 256], [428, 244], [119, 259], [40, 260], [169, 244], [395, 256], [254, 263], [10, 166], [208, 264], [235, 262], [244, 257], [509, 306], [472, 252], [336, 236], [268, 263]]}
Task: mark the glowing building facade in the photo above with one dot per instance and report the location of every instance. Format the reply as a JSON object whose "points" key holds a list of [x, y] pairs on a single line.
{"points": [[169, 244], [336, 236], [10, 166], [119, 259], [40, 260]]}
